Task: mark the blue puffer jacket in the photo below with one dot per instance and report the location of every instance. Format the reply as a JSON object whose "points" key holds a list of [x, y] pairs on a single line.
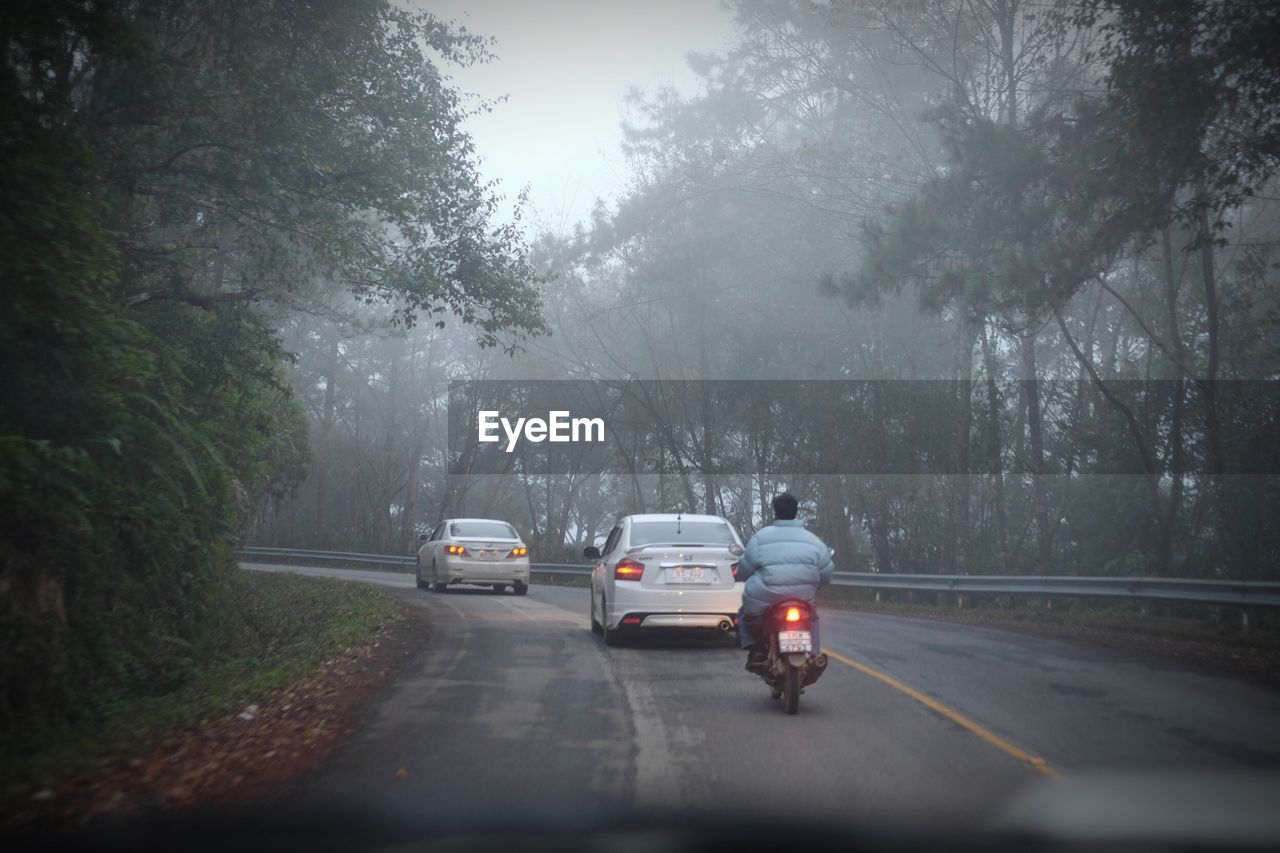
{"points": [[783, 561]]}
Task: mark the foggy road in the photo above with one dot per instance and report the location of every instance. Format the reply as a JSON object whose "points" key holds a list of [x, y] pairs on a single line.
{"points": [[914, 719]]}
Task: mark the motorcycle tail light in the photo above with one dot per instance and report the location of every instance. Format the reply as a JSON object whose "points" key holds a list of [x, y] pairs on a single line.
{"points": [[628, 570], [793, 614], [457, 550]]}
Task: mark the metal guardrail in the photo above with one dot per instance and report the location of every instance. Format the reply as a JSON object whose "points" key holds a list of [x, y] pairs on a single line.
{"points": [[560, 569], [1245, 593], [327, 556], [387, 559], [1240, 593]]}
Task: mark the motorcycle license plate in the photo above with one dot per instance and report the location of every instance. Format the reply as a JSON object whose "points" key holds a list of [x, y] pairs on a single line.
{"points": [[687, 574], [795, 641]]}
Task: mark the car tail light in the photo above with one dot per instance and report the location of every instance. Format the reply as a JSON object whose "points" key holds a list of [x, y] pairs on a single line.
{"points": [[794, 614], [631, 620], [628, 570], [733, 567], [457, 551], [518, 551]]}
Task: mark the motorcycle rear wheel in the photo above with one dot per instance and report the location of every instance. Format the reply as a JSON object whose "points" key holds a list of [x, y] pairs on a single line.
{"points": [[791, 690]]}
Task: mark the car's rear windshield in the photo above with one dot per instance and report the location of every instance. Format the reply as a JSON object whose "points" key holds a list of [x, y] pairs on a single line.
{"points": [[681, 533], [483, 529]]}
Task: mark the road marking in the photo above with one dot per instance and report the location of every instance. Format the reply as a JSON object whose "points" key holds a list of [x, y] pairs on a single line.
{"points": [[1034, 761]]}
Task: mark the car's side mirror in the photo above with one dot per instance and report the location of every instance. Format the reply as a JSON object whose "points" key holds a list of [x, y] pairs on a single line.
{"points": [[423, 537], [591, 552]]}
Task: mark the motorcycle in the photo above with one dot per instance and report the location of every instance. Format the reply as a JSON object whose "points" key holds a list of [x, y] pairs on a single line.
{"points": [[792, 663]]}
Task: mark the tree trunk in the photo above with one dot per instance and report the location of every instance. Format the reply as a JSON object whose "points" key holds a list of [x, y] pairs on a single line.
{"points": [[391, 461], [1213, 428], [409, 516], [996, 459], [1173, 506], [879, 517], [1035, 430], [961, 479], [323, 455]]}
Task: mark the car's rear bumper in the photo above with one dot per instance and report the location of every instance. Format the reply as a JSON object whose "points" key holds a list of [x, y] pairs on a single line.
{"points": [[484, 571], [691, 608], [719, 621]]}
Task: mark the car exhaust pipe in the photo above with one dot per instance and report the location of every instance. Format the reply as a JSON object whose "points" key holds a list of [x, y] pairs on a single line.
{"points": [[725, 625]]}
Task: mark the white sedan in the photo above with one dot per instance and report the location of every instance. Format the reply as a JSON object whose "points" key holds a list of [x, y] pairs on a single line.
{"points": [[669, 570], [480, 551]]}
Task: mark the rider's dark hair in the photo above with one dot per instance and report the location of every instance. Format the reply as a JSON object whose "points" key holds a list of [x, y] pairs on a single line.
{"points": [[785, 506]]}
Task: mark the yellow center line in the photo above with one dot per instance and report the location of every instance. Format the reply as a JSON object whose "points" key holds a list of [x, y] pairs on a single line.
{"points": [[956, 717]]}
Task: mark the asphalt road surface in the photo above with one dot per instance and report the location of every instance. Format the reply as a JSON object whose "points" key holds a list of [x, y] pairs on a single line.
{"points": [[513, 704]]}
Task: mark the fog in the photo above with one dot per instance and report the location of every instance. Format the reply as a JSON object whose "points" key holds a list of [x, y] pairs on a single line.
{"points": [[845, 193], [559, 82], [989, 285]]}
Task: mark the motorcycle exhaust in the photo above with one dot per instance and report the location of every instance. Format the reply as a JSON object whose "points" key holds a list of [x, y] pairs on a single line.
{"points": [[725, 625], [817, 666]]}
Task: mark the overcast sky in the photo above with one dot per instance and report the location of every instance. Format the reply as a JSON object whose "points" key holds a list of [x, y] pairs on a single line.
{"points": [[565, 67]]}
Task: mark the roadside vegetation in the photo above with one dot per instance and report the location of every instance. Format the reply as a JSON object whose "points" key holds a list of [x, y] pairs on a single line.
{"points": [[180, 177], [266, 632]]}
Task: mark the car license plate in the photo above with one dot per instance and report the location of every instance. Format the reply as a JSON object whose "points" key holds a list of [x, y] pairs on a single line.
{"points": [[687, 574], [795, 641]]}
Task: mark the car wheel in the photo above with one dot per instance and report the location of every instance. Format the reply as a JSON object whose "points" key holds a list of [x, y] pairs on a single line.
{"points": [[596, 627], [612, 636], [417, 576], [436, 585], [519, 588]]}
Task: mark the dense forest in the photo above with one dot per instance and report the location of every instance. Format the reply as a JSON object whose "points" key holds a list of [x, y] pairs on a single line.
{"points": [[977, 193], [181, 179], [246, 247]]}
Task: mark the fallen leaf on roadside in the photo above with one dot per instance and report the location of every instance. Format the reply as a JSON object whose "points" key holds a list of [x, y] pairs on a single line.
{"points": [[227, 760]]}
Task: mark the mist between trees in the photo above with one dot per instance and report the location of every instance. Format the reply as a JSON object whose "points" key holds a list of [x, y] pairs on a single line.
{"points": [[975, 193], [247, 246], [851, 426]]}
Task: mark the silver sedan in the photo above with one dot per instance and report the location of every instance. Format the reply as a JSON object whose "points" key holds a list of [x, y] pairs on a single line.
{"points": [[670, 570], [480, 551]]}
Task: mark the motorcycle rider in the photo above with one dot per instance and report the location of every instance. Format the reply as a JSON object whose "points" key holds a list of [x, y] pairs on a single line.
{"points": [[781, 561]]}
